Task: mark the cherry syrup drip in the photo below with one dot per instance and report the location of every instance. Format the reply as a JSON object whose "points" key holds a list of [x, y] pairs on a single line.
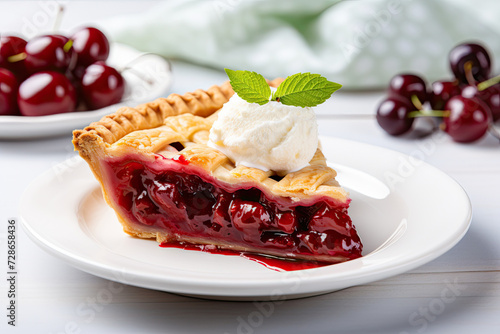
{"points": [[270, 262]]}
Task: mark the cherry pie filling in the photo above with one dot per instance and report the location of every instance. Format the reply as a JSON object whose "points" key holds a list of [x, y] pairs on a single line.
{"points": [[171, 195]]}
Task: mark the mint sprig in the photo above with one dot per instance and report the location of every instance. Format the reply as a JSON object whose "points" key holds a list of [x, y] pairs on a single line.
{"points": [[250, 86], [305, 90], [301, 89]]}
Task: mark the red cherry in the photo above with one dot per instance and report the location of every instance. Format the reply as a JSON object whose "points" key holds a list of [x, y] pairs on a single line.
{"points": [[326, 219], [468, 91], [468, 120], [249, 217], [8, 93], [101, 86], [46, 93], [221, 209], [441, 92], [406, 85], [286, 221], [11, 46], [90, 45], [472, 53], [48, 53], [491, 96], [392, 115]]}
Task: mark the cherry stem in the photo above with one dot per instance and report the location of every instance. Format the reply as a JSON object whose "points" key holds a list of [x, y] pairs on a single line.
{"points": [[429, 113], [488, 83], [16, 58], [57, 21], [416, 102], [468, 73], [68, 45]]}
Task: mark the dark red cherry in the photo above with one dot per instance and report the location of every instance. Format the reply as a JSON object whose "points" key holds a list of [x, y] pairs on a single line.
{"points": [[101, 86], [12, 46], [441, 92], [286, 221], [48, 53], [8, 93], [478, 57], [468, 120], [46, 93], [392, 115], [491, 96], [326, 219], [468, 91], [249, 217], [406, 85], [90, 45]]}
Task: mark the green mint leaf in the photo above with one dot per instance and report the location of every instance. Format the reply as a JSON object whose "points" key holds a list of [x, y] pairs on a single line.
{"points": [[250, 86], [305, 90]]}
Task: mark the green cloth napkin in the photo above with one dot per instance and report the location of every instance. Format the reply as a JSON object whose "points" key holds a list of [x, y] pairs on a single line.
{"points": [[360, 44]]}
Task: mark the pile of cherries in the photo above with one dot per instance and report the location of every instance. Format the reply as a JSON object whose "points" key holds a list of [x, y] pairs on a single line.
{"points": [[467, 105], [53, 74]]}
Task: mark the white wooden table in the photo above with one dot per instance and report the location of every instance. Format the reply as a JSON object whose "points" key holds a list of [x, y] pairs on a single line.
{"points": [[457, 293]]}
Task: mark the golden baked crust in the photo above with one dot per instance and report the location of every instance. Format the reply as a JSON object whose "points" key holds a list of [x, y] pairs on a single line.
{"points": [[187, 119], [150, 128]]}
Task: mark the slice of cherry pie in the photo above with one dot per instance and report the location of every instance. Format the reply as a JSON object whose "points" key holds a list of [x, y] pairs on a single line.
{"points": [[164, 182]]}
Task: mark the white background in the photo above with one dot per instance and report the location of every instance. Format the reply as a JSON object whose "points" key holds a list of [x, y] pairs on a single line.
{"points": [[52, 294]]}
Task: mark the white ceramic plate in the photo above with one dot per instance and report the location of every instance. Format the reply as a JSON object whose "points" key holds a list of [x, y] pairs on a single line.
{"points": [[406, 212], [155, 80]]}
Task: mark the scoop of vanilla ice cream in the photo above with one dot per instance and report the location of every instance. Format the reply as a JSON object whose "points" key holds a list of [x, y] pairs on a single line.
{"points": [[272, 136]]}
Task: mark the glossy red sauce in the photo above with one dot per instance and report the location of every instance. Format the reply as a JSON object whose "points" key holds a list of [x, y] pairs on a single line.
{"points": [[171, 194], [270, 262]]}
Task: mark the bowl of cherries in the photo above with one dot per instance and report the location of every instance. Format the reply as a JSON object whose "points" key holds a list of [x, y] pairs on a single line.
{"points": [[52, 84], [466, 107]]}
